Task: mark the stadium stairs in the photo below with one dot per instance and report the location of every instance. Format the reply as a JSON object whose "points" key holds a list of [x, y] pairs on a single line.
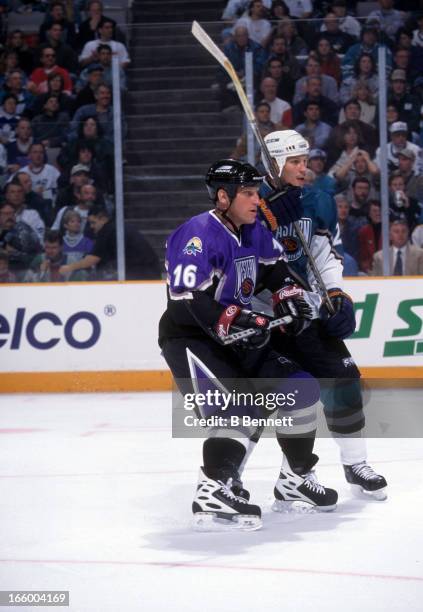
{"points": [[175, 129]]}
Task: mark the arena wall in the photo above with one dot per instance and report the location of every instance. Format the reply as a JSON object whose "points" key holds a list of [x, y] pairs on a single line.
{"points": [[103, 336]]}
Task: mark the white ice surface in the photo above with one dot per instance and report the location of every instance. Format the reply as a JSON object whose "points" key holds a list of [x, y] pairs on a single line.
{"points": [[95, 498]]}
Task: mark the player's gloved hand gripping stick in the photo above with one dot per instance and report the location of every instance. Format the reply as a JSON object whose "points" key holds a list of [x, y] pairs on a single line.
{"points": [[212, 48]]}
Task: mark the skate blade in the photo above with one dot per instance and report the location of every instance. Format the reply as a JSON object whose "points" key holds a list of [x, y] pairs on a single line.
{"points": [[299, 507], [209, 521], [359, 492]]}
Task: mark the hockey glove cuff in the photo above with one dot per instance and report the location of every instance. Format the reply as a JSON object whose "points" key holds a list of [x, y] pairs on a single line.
{"points": [[289, 300], [234, 319], [342, 323], [282, 207]]}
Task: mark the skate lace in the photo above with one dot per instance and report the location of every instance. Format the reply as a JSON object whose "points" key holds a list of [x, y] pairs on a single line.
{"points": [[226, 490], [310, 480], [363, 470]]}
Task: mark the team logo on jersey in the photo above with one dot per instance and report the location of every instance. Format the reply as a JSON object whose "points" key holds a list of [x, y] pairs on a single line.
{"points": [[245, 278], [193, 246], [288, 238]]}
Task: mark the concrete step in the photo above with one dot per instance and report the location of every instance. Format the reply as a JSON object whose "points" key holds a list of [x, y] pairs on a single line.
{"points": [[187, 55], [164, 72], [164, 224], [183, 156], [160, 202], [174, 83], [178, 144], [183, 131], [141, 31], [175, 16], [177, 95], [169, 108], [146, 185], [175, 119]]}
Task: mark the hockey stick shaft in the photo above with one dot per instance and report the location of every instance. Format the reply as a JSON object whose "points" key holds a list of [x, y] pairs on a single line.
{"points": [[214, 50], [251, 331]]}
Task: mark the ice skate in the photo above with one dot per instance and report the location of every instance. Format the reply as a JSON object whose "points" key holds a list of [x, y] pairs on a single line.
{"points": [[292, 487], [217, 508], [365, 481]]}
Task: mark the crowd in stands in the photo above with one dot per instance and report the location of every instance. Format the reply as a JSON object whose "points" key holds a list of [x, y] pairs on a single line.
{"points": [[56, 149], [316, 70]]}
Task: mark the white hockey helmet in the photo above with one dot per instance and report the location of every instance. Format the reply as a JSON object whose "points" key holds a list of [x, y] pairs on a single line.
{"points": [[283, 144]]}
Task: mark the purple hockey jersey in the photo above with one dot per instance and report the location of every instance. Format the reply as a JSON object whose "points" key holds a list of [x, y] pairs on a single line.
{"points": [[203, 253]]}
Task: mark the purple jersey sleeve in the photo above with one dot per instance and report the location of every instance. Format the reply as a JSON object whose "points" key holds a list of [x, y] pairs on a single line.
{"points": [[270, 251]]}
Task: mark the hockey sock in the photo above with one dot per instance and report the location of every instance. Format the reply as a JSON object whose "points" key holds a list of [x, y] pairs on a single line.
{"points": [[298, 451], [222, 457], [352, 449]]}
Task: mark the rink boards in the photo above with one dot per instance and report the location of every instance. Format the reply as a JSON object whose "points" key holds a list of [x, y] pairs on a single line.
{"points": [[103, 336]]}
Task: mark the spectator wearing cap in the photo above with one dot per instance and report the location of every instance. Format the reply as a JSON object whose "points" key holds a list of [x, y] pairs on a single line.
{"points": [[347, 23], [86, 199], [407, 104], [313, 129], [328, 109], [38, 80], [329, 87], [44, 176], [316, 163], [412, 181], [85, 160], [52, 125], [404, 258], [105, 33], [369, 44], [65, 55], [398, 132], [280, 110], [94, 76], [369, 237], [389, 19]]}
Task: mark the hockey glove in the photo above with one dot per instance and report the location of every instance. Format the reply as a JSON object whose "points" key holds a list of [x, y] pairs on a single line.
{"points": [[285, 206], [234, 319], [289, 300], [342, 323]]}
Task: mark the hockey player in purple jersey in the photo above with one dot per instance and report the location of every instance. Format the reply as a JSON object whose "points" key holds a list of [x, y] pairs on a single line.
{"points": [[320, 350], [216, 262]]}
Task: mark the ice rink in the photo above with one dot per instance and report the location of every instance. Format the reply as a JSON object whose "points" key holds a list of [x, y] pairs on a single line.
{"points": [[96, 499]]}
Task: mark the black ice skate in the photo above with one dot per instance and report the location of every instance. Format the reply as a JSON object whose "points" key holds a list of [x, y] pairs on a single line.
{"points": [[217, 508], [364, 480], [292, 487]]}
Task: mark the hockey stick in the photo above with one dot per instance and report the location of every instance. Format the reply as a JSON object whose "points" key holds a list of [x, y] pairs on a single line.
{"points": [[247, 333], [214, 50]]}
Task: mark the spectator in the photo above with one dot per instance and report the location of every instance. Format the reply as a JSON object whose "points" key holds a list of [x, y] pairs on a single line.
{"points": [[294, 44], [313, 129], [265, 126], [330, 64], [339, 40], [44, 176], [6, 276], [275, 70], [18, 151], [347, 23], [401, 207], [364, 72], [85, 159], [57, 15], [38, 82], [399, 142], [75, 244], [370, 238], [299, 9], [70, 195], [94, 75], [14, 85], [15, 196], [104, 54], [55, 86], [389, 19], [52, 125], [359, 208], [105, 33], [18, 240], [352, 115], [363, 95], [392, 114], [45, 267], [102, 110], [278, 10], [348, 226], [404, 258], [8, 118], [358, 165], [89, 28], [369, 45], [34, 200], [329, 88], [417, 40], [413, 182], [328, 108], [140, 260], [65, 55], [259, 28], [316, 163], [234, 9], [17, 44], [347, 140], [407, 104], [417, 236], [402, 61], [280, 110], [86, 200]]}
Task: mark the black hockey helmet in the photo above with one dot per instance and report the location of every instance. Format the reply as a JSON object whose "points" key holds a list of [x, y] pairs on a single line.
{"points": [[229, 174]]}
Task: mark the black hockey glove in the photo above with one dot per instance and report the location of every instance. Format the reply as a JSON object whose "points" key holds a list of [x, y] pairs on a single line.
{"points": [[289, 300], [234, 319], [284, 206], [342, 323]]}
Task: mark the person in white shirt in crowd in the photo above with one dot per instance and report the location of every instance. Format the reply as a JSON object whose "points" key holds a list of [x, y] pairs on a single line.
{"points": [[280, 110], [417, 236], [300, 9], [237, 8], [105, 36], [347, 23], [44, 176], [398, 132], [417, 40], [15, 196], [258, 27], [404, 258]]}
